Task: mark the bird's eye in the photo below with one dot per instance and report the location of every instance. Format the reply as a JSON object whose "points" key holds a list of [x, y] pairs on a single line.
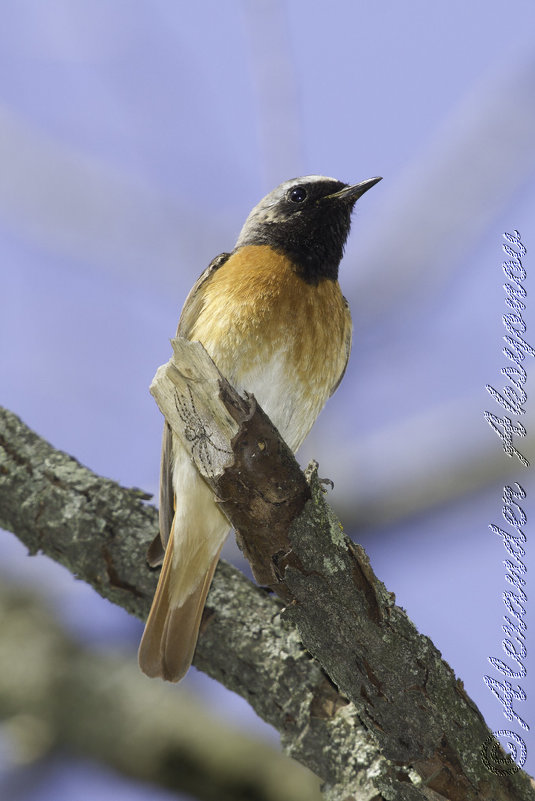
{"points": [[297, 194]]}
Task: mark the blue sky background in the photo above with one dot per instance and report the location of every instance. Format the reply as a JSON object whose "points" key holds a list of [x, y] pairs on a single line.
{"points": [[134, 139]]}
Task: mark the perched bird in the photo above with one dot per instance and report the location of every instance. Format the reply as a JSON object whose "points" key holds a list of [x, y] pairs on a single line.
{"points": [[272, 317]]}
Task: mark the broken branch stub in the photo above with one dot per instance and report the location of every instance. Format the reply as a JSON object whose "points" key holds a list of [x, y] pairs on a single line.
{"points": [[186, 390], [239, 453]]}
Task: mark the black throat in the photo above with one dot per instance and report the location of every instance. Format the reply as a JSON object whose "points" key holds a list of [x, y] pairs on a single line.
{"points": [[313, 240]]}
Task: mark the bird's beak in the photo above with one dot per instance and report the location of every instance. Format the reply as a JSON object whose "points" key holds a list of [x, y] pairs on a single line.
{"points": [[352, 193]]}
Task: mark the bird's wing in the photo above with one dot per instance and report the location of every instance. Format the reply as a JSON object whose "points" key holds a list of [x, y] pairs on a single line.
{"points": [[191, 310], [194, 302], [348, 336]]}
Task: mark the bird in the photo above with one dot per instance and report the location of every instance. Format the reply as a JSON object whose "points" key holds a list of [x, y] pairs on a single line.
{"points": [[273, 318]]}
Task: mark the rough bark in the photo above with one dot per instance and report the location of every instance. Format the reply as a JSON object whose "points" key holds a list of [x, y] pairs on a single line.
{"points": [[409, 732]]}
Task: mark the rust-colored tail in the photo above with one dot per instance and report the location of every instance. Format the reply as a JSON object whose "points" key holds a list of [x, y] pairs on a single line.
{"points": [[168, 643]]}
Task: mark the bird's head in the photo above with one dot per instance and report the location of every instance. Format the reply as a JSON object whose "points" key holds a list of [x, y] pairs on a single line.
{"points": [[308, 219]]}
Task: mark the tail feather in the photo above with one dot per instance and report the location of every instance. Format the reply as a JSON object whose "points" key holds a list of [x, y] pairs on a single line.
{"points": [[171, 631]]}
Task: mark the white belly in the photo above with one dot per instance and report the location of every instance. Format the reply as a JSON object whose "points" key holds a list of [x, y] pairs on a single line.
{"points": [[291, 404]]}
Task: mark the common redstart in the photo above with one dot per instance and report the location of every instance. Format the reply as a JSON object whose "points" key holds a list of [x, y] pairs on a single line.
{"points": [[273, 318]]}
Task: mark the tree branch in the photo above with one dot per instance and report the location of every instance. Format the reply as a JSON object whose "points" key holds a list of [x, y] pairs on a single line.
{"points": [[411, 731], [100, 706]]}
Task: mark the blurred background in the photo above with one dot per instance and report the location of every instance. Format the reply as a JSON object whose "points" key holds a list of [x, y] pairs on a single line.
{"points": [[134, 139]]}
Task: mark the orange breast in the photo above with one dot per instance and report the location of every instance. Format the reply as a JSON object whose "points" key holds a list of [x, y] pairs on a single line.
{"points": [[271, 333]]}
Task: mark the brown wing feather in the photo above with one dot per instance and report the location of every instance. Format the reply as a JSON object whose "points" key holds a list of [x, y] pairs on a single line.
{"points": [[194, 302], [167, 495], [190, 312], [156, 551], [348, 336]]}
